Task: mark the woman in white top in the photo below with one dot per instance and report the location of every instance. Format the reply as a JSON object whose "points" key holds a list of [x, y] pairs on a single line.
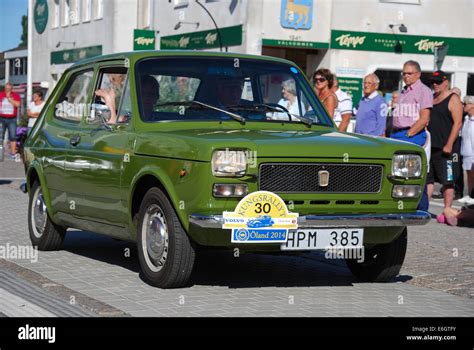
{"points": [[34, 108], [290, 102], [467, 146]]}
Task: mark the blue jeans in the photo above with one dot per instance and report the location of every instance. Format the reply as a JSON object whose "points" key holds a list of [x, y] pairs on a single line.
{"points": [[9, 123], [419, 139]]}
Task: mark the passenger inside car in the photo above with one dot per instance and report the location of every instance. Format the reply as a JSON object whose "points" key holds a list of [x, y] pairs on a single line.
{"points": [[229, 91], [289, 101], [150, 93], [110, 91]]}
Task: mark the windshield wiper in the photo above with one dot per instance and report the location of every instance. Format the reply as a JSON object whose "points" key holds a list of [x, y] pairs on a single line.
{"points": [[263, 107], [237, 117]]}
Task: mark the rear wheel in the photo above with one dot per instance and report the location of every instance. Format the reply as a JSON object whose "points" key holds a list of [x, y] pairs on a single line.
{"points": [[44, 234], [381, 262], [165, 252]]}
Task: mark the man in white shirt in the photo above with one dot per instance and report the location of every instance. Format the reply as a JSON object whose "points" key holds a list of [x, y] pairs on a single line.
{"points": [[343, 111]]}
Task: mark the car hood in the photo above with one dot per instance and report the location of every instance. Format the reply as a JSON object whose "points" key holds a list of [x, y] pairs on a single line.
{"points": [[199, 144]]}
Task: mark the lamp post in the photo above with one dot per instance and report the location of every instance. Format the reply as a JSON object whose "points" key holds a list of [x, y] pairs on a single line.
{"points": [[215, 24], [29, 64]]}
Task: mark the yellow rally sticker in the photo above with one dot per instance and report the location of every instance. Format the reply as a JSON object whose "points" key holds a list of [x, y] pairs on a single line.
{"points": [[260, 217]]}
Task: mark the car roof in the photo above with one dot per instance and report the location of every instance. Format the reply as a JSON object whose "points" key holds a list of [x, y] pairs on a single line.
{"points": [[173, 53]]}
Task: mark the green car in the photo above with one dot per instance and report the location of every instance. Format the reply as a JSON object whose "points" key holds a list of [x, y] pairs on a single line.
{"points": [[158, 147]]}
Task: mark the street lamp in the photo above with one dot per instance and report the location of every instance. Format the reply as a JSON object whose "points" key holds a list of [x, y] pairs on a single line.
{"points": [[66, 42], [403, 29], [178, 25], [215, 24]]}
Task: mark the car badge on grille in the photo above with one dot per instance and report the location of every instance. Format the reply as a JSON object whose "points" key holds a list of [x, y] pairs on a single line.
{"points": [[323, 178]]}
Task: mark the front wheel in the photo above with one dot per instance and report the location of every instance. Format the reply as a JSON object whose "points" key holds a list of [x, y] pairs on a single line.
{"points": [[381, 262], [44, 233], [165, 253]]}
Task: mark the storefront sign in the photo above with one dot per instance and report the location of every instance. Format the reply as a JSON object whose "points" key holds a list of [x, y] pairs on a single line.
{"points": [[207, 39], [71, 56], [143, 39], [295, 44], [41, 15], [346, 40], [349, 71], [296, 14], [353, 86]]}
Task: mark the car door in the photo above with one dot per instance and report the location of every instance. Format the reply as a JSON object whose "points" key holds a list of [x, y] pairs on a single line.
{"points": [[98, 151], [64, 116]]}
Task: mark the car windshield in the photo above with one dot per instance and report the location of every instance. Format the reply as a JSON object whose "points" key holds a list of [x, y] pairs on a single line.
{"points": [[195, 88]]}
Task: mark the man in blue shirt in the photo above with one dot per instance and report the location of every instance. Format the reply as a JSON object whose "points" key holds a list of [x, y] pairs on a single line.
{"points": [[371, 117]]}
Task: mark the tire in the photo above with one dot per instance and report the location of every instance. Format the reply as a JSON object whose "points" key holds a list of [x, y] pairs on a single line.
{"points": [[165, 252], [381, 262], [44, 233]]}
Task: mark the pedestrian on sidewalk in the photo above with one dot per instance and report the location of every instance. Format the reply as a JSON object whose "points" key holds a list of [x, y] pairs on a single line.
{"points": [[343, 111], [34, 108], [467, 148], [371, 117], [412, 113], [323, 81], [445, 124], [9, 103], [391, 107]]}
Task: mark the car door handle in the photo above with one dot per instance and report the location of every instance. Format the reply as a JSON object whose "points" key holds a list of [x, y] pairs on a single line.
{"points": [[75, 140]]}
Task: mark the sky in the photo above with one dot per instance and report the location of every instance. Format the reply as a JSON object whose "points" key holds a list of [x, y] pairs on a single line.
{"points": [[10, 22]]}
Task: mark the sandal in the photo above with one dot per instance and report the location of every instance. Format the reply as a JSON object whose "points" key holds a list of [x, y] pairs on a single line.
{"points": [[441, 219]]}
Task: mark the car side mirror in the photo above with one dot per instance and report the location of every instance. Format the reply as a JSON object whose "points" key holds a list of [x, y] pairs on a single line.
{"points": [[99, 114]]}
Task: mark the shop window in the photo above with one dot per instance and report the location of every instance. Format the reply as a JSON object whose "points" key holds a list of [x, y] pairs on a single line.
{"points": [[56, 14], [98, 9], [86, 10], [74, 13], [178, 4], [144, 13], [65, 13], [470, 84]]}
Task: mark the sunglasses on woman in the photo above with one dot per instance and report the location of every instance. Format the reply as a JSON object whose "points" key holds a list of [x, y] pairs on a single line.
{"points": [[320, 80]]}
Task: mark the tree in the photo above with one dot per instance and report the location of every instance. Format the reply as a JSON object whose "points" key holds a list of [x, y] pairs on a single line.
{"points": [[24, 35]]}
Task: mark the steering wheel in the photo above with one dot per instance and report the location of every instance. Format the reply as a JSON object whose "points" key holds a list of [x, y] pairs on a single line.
{"points": [[277, 106]]}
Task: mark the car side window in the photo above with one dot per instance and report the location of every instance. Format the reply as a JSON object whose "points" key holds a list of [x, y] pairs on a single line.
{"points": [[71, 106], [108, 95]]}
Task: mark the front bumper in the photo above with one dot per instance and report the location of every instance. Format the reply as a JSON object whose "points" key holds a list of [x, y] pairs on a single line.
{"points": [[349, 220]]}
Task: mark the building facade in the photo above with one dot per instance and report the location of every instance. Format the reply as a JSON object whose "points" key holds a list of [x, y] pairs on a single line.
{"points": [[352, 38]]}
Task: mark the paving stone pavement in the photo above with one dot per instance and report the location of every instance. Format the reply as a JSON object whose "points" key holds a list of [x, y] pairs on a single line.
{"points": [[254, 285]]}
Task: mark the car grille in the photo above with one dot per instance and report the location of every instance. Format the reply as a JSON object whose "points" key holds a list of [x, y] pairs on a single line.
{"points": [[304, 178]]}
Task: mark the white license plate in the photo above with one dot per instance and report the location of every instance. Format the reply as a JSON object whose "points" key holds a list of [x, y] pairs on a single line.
{"points": [[321, 239]]}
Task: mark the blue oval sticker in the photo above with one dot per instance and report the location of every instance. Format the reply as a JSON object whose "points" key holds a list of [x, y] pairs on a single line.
{"points": [[294, 70]]}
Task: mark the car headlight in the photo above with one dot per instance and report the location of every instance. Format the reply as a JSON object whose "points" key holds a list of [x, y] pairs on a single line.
{"points": [[406, 165], [229, 163]]}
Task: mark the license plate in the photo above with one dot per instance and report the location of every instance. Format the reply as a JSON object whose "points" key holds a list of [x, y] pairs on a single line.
{"points": [[321, 239]]}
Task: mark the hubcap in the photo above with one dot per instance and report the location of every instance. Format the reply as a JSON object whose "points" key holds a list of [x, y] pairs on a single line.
{"points": [[39, 214], [155, 238]]}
